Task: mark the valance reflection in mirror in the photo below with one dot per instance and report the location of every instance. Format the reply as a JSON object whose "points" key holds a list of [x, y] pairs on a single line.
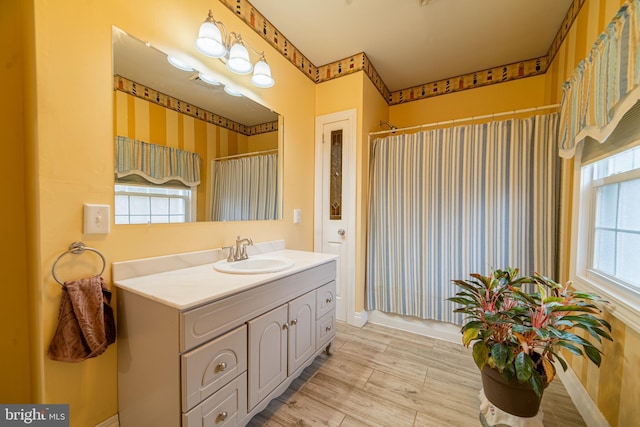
{"points": [[171, 122]]}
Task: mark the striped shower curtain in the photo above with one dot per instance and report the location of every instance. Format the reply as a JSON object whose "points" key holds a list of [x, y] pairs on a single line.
{"points": [[245, 188], [449, 202]]}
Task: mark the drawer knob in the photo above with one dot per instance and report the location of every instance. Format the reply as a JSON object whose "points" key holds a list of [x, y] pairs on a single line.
{"points": [[327, 329], [329, 300], [222, 366], [294, 322], [222, 416]]}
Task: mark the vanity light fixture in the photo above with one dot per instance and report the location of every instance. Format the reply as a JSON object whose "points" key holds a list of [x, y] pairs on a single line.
{"points": [[238, 60], [215, 42], [262, 74], [208, 79], [179, 64], [231, 91]]}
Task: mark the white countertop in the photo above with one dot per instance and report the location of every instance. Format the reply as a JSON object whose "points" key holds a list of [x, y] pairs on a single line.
{"points": [[186, 288]]}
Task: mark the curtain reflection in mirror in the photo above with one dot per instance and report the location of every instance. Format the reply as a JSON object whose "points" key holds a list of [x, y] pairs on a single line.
{"points": [[245, 188]]}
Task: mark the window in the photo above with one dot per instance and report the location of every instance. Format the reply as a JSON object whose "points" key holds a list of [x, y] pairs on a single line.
{"points": [[616, 225], [608, 237], [144, 204]]}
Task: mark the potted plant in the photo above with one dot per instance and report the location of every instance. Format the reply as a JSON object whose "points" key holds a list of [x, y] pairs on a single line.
{"points": [[518, 325]]}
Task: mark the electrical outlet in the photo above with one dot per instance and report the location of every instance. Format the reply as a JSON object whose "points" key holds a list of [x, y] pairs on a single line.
{"points": [[96, 219], [297, 216]]}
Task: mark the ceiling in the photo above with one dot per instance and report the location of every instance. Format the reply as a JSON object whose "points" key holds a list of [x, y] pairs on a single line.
{"points": [[146, 65], [409, 44]]}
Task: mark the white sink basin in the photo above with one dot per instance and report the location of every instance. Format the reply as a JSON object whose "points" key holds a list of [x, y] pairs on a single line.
{"points": [[255, 265]]}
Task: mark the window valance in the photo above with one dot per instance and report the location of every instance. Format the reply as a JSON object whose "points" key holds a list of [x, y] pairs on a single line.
{"points": [[156, 163], [605, 84]]}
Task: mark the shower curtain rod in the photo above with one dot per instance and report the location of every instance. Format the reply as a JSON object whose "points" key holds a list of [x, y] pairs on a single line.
{"points": [[467, 119], [255, 153]]}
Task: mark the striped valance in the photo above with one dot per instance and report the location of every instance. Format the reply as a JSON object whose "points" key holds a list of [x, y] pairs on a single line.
{"points": [[156, 163], [605, 84]]}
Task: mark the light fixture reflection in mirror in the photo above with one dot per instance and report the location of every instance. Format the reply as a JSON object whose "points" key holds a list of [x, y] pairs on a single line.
{"points": [[155, 102]]}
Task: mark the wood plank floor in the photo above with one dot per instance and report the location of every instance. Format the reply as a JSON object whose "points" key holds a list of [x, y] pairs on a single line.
{"points": [[379, 376]]}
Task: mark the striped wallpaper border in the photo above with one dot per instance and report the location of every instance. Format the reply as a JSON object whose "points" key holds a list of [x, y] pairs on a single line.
{"points": [[151, 95], [359, 62]]}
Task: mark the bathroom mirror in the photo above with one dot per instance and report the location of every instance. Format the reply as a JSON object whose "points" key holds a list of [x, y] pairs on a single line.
{"points": [[163, 106]]}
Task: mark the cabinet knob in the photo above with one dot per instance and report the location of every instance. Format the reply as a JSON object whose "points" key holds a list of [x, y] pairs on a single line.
{"points": [[294, 322], [222, 416], [285, 326], [329, 300], [327, 329], [222, 366]]}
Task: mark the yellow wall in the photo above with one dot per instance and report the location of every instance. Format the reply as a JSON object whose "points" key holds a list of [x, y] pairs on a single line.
{"points": [[68, 160], [14, 312], [497, 98], [72, 121], [356, 91], [613, 386]]}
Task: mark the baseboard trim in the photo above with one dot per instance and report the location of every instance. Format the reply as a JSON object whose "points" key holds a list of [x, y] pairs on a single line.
{"points": [[359, 319], [585, 405], [110, 422], [429, 328]]}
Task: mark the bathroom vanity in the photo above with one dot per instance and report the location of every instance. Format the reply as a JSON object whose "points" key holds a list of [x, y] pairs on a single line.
{"points": [[199, 347]]}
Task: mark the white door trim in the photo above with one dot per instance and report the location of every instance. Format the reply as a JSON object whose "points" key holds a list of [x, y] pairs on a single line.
{"points": [[349, 197]]}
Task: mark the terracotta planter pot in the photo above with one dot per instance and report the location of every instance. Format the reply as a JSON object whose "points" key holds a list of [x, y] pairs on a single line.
{"points": [[511, 396]]}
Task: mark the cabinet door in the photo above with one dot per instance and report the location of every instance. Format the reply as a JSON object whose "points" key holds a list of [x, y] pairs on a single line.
{"points": [[302, 330], [267, 354]]}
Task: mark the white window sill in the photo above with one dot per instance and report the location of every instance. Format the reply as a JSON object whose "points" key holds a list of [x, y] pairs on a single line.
{"points": [[623, 304]]}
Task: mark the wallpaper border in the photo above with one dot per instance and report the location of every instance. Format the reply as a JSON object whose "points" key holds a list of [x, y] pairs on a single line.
{"points": [[359, 62], [149, 94]]}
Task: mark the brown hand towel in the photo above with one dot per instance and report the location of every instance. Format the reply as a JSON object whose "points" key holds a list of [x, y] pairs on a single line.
{"points": [[85, 322]]}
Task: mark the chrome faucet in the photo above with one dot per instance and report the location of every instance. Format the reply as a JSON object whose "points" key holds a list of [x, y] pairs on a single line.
{"points": [[241, 248], [239, 251]]}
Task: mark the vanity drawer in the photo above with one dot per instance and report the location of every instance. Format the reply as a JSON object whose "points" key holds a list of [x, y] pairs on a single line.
{"points": [[206, 369], [325, 330], [201, 324], [228, 407], [325, 299]]}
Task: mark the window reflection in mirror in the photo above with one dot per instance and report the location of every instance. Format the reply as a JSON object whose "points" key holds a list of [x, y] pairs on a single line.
{"points": [[183, 139]]}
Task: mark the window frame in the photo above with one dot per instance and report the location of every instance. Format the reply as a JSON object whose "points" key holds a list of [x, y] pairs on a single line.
{"points": [[190, 201], [624, 300]]}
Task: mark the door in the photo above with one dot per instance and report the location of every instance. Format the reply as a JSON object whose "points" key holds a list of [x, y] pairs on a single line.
{"points": [[267, 354], [302, 330], [335, 202]]}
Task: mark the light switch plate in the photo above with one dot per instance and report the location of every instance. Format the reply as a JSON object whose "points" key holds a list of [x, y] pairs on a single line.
{"points": [[96, 219]]}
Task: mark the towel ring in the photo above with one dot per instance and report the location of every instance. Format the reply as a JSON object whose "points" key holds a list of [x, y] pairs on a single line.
{"points": [[76, 248]]}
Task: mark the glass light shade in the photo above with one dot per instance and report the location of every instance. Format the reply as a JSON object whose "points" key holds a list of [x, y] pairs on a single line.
{"points": [[232, 91], [209, 41], [262, 75], [179, 64], [208, 79], [238, 61]]}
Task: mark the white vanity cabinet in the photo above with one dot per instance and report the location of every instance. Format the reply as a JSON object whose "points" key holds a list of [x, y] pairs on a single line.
{"points": [[280, 341], [220, 362]]}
